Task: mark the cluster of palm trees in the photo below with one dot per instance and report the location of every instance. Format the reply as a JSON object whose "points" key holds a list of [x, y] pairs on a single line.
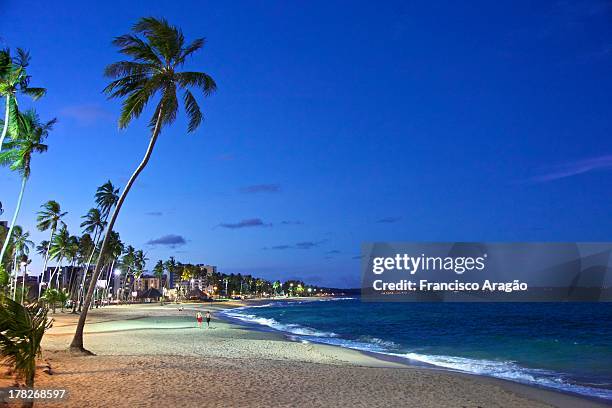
{"points": [[155, 52]]}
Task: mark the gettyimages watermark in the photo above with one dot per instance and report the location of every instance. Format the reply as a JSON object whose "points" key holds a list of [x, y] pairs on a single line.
{"points": [[482, 271]]}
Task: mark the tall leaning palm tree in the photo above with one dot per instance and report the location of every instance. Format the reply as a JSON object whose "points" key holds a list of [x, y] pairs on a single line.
{"points": [[14, 79], [27, 140], [49, 217], [156, 52]]}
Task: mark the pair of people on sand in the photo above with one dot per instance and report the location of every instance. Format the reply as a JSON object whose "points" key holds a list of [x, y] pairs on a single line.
{"points": [[199, 319]]}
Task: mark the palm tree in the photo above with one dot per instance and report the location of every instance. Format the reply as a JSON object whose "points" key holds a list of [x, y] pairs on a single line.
{"points": [[96, 219], [86, 247], [62, 298], [128, 261], [171, 266], [49, 218], [140, 263], [275, 286], [60, 248], [158, 271], [28, 140], [157, 51], [106, 198], [72, 254], [114, 249], [93, 224], [21, 249], [23, 328], [13, 79], [42, 248], [51, 296]]}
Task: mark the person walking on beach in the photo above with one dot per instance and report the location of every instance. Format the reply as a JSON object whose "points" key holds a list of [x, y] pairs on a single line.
{"points": [[208, 316], [199, 319]]}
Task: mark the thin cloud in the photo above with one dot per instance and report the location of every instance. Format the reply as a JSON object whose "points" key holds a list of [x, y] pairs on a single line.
{"points": [[291, 223], [170, 240], [298, 245], [357, 257], [154, 213], [388, 220], [332, 252], [248, 223], [261, 188], [86, 114], [574, 169], [308, 244]]}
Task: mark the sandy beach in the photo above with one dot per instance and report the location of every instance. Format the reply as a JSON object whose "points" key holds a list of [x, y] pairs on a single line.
{"points": [[152, 355]]}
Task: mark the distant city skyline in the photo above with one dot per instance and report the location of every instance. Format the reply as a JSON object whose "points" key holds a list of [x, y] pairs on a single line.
{"points": [[334, 123]]}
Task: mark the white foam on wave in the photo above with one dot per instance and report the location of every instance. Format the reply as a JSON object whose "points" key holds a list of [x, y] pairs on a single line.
{"points": [[507, 370], [276, 325]]}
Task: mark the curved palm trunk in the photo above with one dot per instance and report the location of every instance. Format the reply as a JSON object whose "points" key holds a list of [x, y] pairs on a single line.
{"points": [[77, 341], [42, 275], [6, 120], [10, 231]]}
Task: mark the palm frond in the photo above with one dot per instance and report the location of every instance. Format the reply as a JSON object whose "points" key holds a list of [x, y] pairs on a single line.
{"points": [[137, 48], [135, 103], [197, 79], [23, 328], [197, 44], [23, 58], [156, 49], [129, 68], [34, 93], [193, 111]]}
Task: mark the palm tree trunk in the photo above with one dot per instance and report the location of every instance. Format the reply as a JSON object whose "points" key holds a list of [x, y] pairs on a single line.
{"points": [[10, 231], [25, 274], [82, 285], [108, 278], [42, 275], [77, 341], [72, 279], [6, 120], [74, 294], [16, 272], [57, 269]]}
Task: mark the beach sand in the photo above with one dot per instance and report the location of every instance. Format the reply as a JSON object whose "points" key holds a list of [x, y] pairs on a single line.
{"points": [[149, 355]]}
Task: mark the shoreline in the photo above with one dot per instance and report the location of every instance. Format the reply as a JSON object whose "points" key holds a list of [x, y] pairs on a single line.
{"points": [[147, 352], [544, 394]]}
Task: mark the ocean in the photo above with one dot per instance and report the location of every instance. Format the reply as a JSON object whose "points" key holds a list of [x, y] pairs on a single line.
{"points": [[562, 346]]}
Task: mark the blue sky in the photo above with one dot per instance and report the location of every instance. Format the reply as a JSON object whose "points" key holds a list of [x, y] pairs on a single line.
{"points": [[334, 123]]}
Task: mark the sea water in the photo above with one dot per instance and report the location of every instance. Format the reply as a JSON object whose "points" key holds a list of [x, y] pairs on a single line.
{"points": [[563, 346]]}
